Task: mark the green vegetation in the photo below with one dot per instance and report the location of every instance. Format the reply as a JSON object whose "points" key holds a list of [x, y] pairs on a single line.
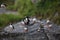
{"points": [[7, 2], [41, 8], [5, 19], [11, 7]]}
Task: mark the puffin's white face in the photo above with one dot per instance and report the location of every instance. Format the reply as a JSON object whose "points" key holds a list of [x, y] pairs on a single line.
{"points": [[22, 22], [50, 25], [48, 21], [26, 18], [25, 28], [10, 26], [38, 30], [2, 5], [34, 19]]}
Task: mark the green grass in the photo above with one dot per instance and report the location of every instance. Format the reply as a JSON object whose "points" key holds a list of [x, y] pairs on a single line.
{"points": [[5, 19]]}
